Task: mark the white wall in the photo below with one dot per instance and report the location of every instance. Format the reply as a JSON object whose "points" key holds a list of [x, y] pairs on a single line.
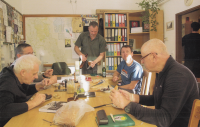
{"points": [[17, 4], [171, 8]]}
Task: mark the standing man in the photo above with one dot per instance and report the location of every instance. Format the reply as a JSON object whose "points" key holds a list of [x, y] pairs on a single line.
{"points": [[15, 88], [93, 45], [174, 92], [130, 70], [24, 49], [191, 44]]}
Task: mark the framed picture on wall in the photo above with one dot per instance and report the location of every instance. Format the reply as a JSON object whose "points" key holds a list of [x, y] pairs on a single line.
{"points": [[170, 25]]}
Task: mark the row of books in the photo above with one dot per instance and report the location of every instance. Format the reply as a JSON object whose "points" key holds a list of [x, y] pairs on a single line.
{"points": [[116, 34], [113, 62], [114, 49], [115, 20]]}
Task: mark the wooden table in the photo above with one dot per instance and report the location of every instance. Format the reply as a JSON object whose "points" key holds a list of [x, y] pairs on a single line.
{"points": [[34, 118]]}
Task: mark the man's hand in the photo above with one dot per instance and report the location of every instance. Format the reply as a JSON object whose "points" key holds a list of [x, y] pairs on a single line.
{"points": [[119, 99], [129, 96], [115, 78], [48, 73], [37, 100], [83, 58], [92, 64], [44, 83]]}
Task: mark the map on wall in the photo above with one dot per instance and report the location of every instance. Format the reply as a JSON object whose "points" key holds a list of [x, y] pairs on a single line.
{"points": [[47, 36]]}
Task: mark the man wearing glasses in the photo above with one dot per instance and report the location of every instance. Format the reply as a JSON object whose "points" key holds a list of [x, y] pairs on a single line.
{"points": [[174, 92], [25, 49], [130, 70]]}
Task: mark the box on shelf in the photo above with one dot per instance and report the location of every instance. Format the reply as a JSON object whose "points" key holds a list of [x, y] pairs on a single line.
{"points": [[136, 30]]}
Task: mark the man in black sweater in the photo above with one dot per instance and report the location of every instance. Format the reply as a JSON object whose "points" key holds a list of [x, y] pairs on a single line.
{"points": [[174, 92], [15, 90]]}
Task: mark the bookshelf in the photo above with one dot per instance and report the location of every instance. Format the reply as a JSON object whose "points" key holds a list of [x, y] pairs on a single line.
{"points": [[139, 37]]}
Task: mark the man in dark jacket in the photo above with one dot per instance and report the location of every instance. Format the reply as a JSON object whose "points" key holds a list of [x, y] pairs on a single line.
{"points": [[15, 90], [174, 92]]}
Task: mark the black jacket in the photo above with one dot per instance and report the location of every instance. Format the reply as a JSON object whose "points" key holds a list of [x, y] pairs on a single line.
{"points": [[13, 95]]}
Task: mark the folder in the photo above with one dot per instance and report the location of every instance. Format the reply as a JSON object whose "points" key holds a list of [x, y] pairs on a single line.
{"points": [[113, 35], [115, 49], [125, 34], [119, 35], [116, 34], [125, 20], [116, 20], [121, 59], [107, 67], [118, 49], [109, 50], [123, 24], [110, 63], [115, 63], [113, 20], [123, 38], [112, 49], [120, 20], [118, 61], [110, 19], [106, 34], [109, 35], [106, 20], [121, 45]]}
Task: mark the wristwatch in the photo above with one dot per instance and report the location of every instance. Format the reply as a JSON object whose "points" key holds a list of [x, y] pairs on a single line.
{"points": [[127, 109]]}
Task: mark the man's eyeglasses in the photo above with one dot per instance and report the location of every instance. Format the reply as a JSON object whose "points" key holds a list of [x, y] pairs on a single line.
{"points": [[146, 56]]}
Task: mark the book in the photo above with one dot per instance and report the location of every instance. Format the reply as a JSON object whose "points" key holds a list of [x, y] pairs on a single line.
{"points": [[52, 107], [145, 27], [121, 120]]}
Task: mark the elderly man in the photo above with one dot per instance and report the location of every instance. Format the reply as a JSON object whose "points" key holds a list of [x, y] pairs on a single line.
{"points": [[24, 49], [130, 70], [174, 92], [15, 90], [93, 47]]}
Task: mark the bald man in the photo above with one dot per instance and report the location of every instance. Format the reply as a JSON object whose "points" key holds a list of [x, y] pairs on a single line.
{"points": [[174, 92]]}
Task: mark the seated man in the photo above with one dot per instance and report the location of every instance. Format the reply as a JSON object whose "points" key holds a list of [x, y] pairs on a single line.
{"points": [[15, 90], [174, 92], [23, 49], [130, 70]]}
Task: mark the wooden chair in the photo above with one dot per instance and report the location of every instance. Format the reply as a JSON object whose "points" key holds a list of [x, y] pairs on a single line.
{"points": [[146, 81], [195, 114]]}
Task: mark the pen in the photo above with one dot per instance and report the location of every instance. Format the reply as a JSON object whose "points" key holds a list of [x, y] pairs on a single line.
{"points": [[112, 117]]}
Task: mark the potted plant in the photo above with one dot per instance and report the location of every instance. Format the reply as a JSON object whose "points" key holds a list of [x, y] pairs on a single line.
{"points": [[150, 8]]}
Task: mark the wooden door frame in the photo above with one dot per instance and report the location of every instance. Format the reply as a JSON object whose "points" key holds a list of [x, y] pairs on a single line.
{"points": [[179, 31]]}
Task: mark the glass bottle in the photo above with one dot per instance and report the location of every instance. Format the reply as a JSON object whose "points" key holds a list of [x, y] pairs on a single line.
{"points": [[103, 70]]}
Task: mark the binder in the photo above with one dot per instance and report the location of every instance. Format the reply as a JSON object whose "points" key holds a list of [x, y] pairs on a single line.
{"points": [[110, 63], [115, 63], [113, 35], [123, 24], [123, 38], [109, 35], [118, 49], [121, 45], [109, 49], [120, 20], [125, 20], [116, 20], [125, 34], [107, 64], [119, 35], [110, 19], [106, 20], [106, 34], [112, 49], [113, 20], [116, 34], [118, 61], [115, 49], [121, 59]]}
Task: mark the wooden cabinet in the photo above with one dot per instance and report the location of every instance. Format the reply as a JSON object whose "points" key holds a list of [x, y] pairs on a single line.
{"points": [[139, 38]]}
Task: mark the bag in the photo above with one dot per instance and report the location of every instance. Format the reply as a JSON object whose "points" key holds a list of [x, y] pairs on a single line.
{"points": [[71, 113]]}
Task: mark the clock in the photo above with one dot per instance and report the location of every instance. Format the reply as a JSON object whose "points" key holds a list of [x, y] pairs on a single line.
{"points": [[188, 2]]}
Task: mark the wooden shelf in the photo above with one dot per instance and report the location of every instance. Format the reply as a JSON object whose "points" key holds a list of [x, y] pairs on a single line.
{"points": [[110, 71], [114, 27], [116, 41], [113, 56], [139, 33]]}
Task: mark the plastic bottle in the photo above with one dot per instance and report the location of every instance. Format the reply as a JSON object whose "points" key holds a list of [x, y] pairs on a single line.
{"points": [[103, 70]]}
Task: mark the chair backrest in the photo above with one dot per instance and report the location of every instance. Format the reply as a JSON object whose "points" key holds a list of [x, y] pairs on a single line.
{"points": [[195, 114], [60, 68], [146, 81]]}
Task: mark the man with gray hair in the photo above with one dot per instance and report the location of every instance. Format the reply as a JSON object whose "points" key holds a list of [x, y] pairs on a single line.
{"points": [[15, 88], [174, 91]]}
